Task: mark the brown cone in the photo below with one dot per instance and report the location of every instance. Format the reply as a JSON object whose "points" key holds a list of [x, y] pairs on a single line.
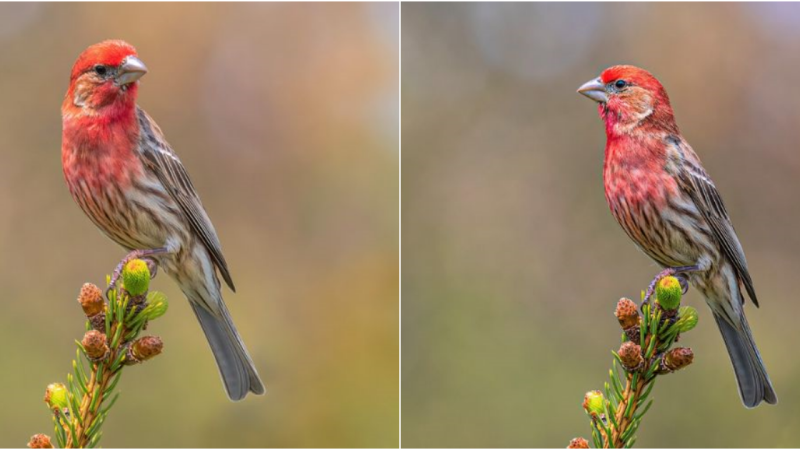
{"points": [[630, 354], [91, 300], [94, 342], [677, 358], [627, 313], [145, 348], [578, 442], [40, 441]]}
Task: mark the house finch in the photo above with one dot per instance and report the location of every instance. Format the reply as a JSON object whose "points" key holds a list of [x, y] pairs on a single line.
{"points": [[662, 197], [126, 178]]}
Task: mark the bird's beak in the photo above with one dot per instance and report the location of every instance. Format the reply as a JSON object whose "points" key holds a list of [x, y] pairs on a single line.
{"points": [[132, 69], [595, 90]]}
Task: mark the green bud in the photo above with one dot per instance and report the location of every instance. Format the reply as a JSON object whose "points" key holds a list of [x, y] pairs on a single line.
{"points": [[593, 403], [687, 319], [156, 306], [56, 396], [668, 293], [136, 277]]}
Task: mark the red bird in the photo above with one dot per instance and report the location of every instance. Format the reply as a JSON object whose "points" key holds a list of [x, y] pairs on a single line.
{"points": [[665, 201], [126, 178]]}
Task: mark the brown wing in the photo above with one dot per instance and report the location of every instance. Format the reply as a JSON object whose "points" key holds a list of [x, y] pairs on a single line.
{"points": [[159, 157], [694, 180]]}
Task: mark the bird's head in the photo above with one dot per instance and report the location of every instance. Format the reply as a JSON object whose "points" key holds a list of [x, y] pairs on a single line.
{"points": [[630, 97], [105, 74]]}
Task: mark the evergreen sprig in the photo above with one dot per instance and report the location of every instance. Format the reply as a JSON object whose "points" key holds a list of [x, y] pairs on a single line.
{"points": [[646, 352], [111, 343]]}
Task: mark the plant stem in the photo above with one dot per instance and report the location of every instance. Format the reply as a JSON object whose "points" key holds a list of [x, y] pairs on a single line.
{"points": [[630, 395], [648, 332], [110, 343], [96, 388]]}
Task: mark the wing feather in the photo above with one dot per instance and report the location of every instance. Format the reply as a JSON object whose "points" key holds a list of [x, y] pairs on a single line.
{"points": [[159, 157], [694, 180]]}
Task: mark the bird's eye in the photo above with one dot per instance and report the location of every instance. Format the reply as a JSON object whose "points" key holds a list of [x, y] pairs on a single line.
{"points": [[100, 70], [620, 84]]}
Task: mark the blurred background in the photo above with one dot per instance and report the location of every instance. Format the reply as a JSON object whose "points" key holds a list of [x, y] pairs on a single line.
{"points": [[512, 263], [286, 116]]}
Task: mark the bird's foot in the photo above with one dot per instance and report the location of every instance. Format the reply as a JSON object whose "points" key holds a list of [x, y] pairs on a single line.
{"points": [[652, 287], [145, 255]]}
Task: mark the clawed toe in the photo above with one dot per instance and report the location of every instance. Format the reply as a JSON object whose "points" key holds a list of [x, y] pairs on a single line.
{"points": [[684, 283], [152, 266]]}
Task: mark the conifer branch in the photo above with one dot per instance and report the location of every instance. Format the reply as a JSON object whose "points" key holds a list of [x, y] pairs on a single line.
{"points": [[111, 343], [646, 353]]}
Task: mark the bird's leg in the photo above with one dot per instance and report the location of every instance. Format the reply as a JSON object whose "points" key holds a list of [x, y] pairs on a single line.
{"points": [[677, 272], [137, 254]]}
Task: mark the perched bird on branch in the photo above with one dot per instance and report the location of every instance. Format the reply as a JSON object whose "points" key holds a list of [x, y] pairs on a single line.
{"points": [[665, 201], [125, 176]]}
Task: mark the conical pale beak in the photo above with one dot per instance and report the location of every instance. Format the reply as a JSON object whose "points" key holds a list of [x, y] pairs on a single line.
{"points": [[132, 69], [595, 90]]}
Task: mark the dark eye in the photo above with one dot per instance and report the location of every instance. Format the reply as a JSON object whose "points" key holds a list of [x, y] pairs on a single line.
{"points": [[620, 84], [102, 70]]}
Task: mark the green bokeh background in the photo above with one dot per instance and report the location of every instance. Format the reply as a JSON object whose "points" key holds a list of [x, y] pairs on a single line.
{"points": [[286, 116], [512, 263]]}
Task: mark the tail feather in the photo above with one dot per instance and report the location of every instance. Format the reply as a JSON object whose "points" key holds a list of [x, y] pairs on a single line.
{"points": [[751, 375], [238, 373]]}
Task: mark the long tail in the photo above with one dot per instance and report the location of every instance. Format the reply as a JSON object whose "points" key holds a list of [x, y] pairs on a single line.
{"points": [[238, 373], [751, 375]]}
